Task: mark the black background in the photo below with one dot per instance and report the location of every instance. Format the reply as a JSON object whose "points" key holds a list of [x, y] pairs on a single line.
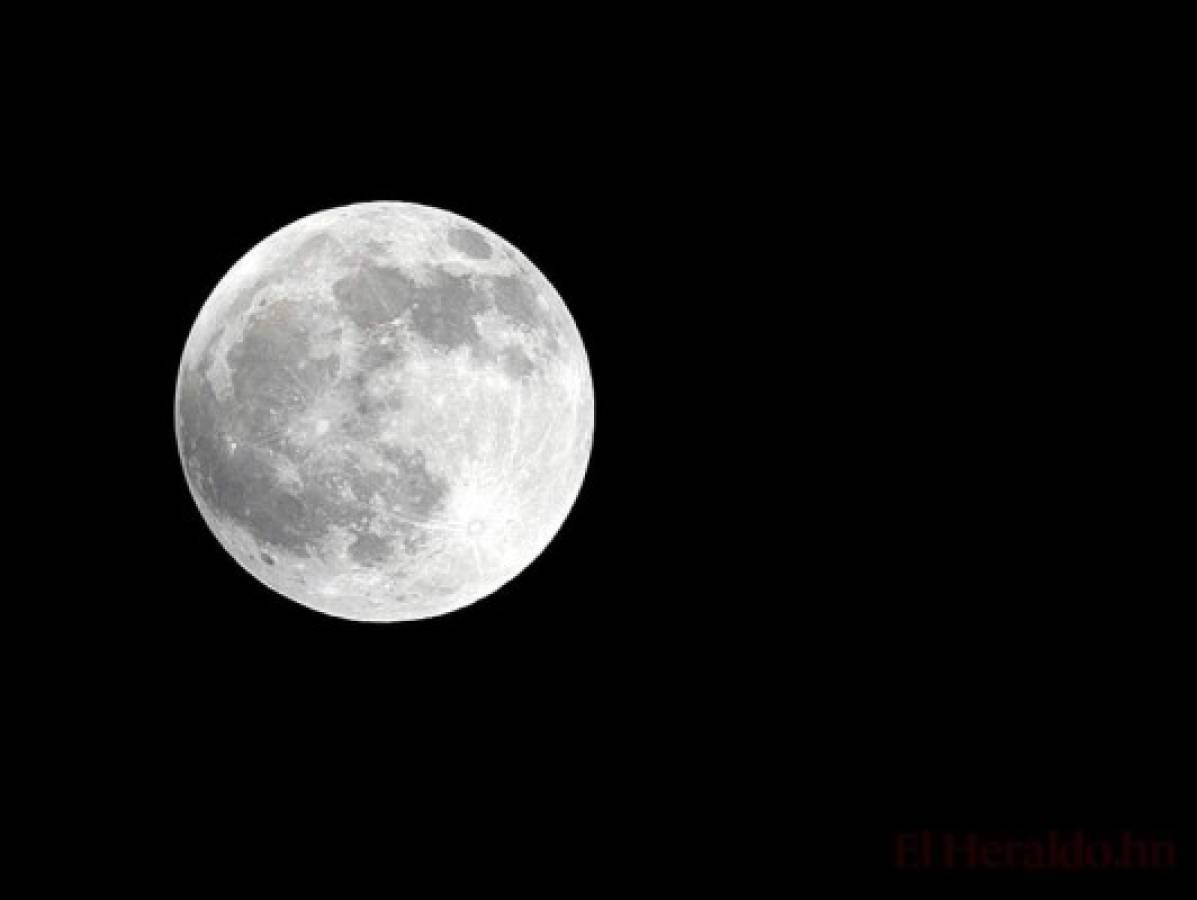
{"points": [[594, 711], [877, 532]]}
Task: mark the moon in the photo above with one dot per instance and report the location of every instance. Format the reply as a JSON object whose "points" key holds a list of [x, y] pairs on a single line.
{"points": [[384, 412]]}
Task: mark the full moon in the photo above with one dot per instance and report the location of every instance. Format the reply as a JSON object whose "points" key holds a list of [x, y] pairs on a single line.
{"points": [[384, 412]]}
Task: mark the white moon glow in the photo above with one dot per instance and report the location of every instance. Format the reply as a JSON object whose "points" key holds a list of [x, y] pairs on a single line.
{"points": [[384, 412]]}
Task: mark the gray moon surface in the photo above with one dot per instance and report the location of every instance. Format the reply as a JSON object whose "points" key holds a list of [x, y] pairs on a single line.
{"points": [[384, 412]]}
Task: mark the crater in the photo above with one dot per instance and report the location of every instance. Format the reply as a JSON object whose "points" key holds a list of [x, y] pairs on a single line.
{"points": [[469, 242]]}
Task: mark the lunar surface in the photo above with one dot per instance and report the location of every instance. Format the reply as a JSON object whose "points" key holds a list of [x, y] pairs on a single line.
{"points": [[384, 412]]}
